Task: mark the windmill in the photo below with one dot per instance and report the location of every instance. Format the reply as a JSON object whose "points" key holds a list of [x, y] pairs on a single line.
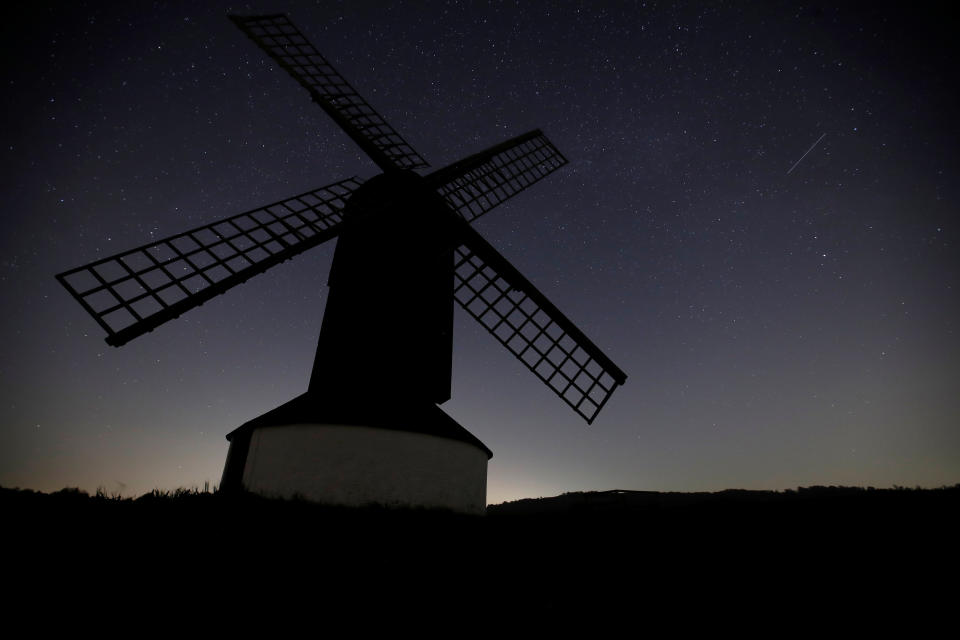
{"points": [[369, 428]]}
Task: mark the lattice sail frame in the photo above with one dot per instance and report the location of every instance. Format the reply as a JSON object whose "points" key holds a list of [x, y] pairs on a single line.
{"points": [[532, 328], [283, 42], [133, 292], [480, 182]]}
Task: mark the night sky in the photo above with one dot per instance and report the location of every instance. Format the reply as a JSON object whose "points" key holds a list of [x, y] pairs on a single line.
{"points": [[778, 327]]}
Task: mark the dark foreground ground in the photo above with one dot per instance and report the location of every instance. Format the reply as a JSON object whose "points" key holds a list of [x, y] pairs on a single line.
{"points": [[806, 553]]}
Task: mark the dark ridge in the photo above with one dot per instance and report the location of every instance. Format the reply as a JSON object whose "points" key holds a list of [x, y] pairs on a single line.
{"points": [[627, 502]]}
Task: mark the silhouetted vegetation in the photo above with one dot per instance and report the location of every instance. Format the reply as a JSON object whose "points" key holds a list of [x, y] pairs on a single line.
{"points": [[589, 548], [649, 511]]}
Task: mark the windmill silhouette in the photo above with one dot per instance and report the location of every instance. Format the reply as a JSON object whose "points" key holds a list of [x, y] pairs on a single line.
{"points": [[368, 429]]}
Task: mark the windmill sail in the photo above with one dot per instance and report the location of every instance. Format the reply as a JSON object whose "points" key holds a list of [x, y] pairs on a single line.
{"points": [[405, 224], [521, 318], [283, 42], [134, 292], [480, 182]]}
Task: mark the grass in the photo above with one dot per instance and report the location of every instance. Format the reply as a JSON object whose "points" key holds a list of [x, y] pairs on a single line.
{"points": [[572, 553]]}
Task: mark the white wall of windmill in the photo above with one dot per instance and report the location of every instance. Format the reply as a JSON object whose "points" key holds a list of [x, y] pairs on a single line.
{"points": [[359, 466]]}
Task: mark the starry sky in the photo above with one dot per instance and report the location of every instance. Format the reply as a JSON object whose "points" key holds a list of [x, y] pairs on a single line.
{"points": [[779, 327]]}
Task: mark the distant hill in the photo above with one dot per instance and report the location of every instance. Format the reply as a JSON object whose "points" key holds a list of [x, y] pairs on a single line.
{"points": [[629, 503]]}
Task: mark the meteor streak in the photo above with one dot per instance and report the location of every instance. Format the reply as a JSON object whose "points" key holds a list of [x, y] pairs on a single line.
{"points": [[805, 155]]}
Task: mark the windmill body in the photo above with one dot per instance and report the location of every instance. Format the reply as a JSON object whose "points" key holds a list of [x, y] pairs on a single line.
{"points": [[388, 324], [368, 429]]}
